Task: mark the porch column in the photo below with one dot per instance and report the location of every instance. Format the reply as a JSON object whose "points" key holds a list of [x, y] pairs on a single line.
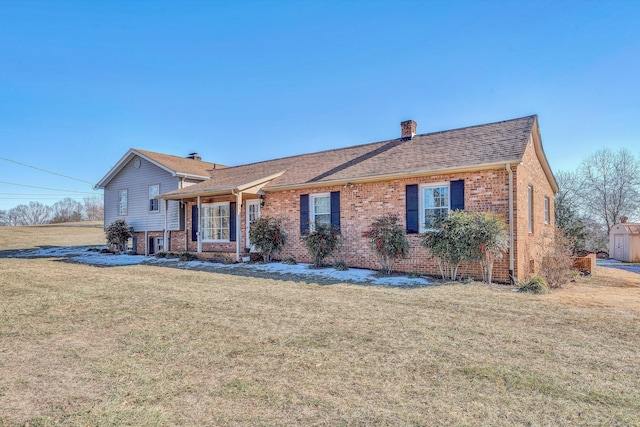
{"points": [[238, 224], [199, 234], [166, 233]]}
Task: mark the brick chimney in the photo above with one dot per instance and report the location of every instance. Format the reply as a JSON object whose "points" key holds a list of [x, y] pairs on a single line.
{"points": [[194, 156], [624, 219], [408, 128]]}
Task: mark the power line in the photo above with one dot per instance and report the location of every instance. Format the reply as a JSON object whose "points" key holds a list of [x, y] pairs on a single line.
{"points": [[45, 188], [47, 171]]}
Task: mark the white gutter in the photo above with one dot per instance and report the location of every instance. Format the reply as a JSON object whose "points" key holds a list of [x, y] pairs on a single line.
{"points": [[511, 248]]}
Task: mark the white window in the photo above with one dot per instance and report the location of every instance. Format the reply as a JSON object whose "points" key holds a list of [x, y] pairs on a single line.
{"points": [[154, 190], [435, 204], [122, 202], [319, 210], [215, 222], [530, 208], [546, 210]]}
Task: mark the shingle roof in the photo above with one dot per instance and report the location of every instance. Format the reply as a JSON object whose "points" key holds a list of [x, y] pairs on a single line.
{"points": [[467, 147], [181, 165]]}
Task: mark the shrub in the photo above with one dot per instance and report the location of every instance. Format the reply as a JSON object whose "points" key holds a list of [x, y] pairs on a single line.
{"points": [[480, 237], [535, 285], [551, 256], [290, 261], [118, 233], [489, 239], [268, 236], [449, 242], [186, 256], [321, 243], [388, 240], [341, 266]]}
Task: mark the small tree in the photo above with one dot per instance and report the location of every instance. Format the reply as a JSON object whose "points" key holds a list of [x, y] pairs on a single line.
{"points": [[388, 240], [268, 236], [449, 242], [489, 239], [118, 233], [321, 243]]}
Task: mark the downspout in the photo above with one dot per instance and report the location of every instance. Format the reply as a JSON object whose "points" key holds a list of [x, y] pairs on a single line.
{"points": [[199, 234], [238, 209], [511, 248]]}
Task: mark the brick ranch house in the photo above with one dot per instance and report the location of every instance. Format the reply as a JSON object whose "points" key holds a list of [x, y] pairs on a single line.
{"points": [[497, 167]]}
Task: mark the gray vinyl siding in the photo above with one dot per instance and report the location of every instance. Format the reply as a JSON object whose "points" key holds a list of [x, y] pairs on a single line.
{"points": [[137, 182]]}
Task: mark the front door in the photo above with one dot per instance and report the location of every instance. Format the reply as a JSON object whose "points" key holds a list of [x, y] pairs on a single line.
{"points": [[253, 213]]}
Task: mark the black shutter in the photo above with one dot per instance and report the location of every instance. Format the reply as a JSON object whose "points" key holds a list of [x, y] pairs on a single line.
{"points": [[335, 211], [457, 195], [194, 223], [412, 211], [304, 213], [232, 221]]}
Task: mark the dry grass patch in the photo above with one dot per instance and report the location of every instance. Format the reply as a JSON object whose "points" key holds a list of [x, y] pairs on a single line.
{"points": [[145, 345], [67, 234]]}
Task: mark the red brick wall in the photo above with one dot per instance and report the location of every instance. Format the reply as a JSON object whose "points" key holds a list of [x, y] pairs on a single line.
{"points": [[362, 203], [530, 172]]}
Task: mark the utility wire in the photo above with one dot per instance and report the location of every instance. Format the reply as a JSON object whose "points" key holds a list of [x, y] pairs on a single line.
{"points": [[44, 170], [45, 188]]}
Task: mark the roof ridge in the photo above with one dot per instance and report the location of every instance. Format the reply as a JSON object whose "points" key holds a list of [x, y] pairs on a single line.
{"points": [[171, 155], [478, 126]]}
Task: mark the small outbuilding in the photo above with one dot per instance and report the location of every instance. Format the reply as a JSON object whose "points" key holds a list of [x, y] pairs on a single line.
{"points": [[624, 241]]}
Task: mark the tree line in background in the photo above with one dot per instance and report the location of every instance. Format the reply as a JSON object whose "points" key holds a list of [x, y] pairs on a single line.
{"points": [[604, 188], [65, 210]]}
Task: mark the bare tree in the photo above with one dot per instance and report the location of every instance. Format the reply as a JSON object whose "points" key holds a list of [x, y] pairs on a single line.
{"points": [[32, 214], [610, 185], [67, 210], [4, 218], [93, 208]]}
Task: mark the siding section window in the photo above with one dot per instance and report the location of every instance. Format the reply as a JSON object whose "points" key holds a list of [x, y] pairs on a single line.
{"points": [[320, 212], [530, 207], [122, 202], [154, 190], [546, 210], [215, 222], [435, 204]]}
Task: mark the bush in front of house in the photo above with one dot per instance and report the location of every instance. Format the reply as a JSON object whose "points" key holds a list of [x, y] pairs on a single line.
{"points": [[551, 256], [449, 242], [321, 243], [118, 233], [268, 236], [489, 240], [467, 236], [388, 240]]}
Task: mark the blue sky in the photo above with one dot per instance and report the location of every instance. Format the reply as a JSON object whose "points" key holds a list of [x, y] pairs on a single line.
{"points": [[81, 82]]}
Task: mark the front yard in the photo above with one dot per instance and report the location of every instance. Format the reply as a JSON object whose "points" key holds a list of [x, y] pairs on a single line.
{"points": [[149, 345]]}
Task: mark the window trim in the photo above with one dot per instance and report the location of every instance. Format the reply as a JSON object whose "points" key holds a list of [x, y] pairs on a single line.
{"points": [[312, 214], [421, 201], [202, 231], [547, 210], [124, 191], [157, 210]]}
